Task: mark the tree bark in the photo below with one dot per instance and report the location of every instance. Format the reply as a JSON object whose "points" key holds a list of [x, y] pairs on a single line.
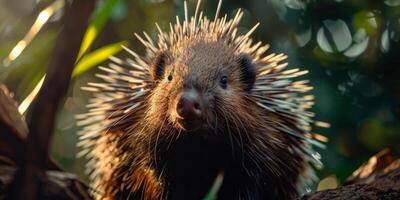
{"points": [[379, 178], [41, 119], [56, 184]]}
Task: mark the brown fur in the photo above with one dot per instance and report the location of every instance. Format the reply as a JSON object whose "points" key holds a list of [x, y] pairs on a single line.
{"points": [[198, 63], [254, 134]]}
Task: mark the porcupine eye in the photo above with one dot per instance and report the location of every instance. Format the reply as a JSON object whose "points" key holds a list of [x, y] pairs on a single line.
{"points": [[223, 81], [158, 66], [248, 71]]}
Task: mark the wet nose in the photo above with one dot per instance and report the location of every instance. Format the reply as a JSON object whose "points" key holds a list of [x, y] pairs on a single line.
{"points": [[189, 105]]}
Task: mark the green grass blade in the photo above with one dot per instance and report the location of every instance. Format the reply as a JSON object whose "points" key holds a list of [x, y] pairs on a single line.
{"points": [[212, 194]]}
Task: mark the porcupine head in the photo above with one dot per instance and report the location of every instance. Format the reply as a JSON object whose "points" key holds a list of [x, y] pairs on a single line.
{"points": [[204, 102]]}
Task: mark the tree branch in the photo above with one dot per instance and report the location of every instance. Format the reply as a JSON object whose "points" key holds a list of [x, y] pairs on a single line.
{"points": [[44, 108]]}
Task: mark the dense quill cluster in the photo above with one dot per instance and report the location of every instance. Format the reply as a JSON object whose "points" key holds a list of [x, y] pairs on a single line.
{"points": [[256, 131]]}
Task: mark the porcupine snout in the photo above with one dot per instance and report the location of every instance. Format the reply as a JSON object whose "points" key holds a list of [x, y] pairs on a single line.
{"points": [[190, 105], [190, 108]]}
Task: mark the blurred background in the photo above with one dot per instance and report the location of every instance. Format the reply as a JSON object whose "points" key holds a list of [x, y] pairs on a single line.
{"points": [[350, 47]]}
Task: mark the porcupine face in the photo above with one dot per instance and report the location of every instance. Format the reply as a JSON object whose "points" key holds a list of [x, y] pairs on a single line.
{"points": [[199, 82]]}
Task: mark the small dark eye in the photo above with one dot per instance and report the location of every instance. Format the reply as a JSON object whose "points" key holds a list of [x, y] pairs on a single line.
{"points": [[223, 81], [170, 77]]}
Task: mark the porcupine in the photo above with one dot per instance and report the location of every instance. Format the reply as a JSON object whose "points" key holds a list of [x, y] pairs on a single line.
{"points": [[203, 101]]}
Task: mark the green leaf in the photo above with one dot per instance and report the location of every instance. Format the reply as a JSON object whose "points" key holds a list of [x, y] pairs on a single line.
{"points": [[99, 18], [96, 57]]}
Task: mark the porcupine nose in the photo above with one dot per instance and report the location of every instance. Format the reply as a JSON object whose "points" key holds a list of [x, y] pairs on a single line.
{"points": [[189, 105]]}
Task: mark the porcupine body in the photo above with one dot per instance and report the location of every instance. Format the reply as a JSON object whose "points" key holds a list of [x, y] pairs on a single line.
{"points": [[203, 102]]}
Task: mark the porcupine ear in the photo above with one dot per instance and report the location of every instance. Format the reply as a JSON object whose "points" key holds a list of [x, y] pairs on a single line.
{"points": [[158, 66], [248, 71]]}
